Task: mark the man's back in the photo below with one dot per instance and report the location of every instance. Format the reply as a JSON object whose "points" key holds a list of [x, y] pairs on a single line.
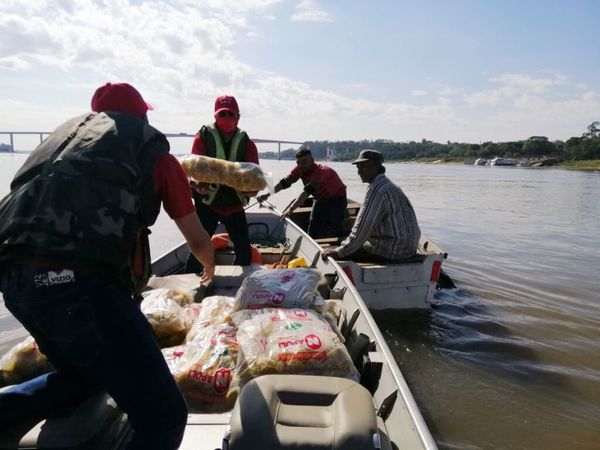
{"points": [[395, 233]]}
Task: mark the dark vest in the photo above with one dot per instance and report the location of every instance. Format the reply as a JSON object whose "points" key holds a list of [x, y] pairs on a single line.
{"points": [[85, 197], [215, 148]]}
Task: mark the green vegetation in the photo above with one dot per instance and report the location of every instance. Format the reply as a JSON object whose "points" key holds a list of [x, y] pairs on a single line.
{"points": [[569, 153], [591, 164]]}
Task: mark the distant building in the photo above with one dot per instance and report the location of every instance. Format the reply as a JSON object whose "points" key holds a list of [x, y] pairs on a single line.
{"points": [[5, 148]]}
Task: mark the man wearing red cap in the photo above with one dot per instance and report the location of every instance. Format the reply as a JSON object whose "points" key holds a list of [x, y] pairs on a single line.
{"points": [[74, 257], [214, 204]]}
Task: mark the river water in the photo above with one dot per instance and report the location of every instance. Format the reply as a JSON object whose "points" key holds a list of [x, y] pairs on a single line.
{"points": [[511, 358]]}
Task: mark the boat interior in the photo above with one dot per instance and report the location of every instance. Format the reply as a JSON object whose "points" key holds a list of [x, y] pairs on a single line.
{"points": [[376, 411]]}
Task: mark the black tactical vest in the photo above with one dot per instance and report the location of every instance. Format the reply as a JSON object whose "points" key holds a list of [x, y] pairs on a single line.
{"points": [[85, 197]]}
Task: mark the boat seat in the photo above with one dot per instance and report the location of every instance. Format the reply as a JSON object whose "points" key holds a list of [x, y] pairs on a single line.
{"points": [[96, 422], [303, 412], [416, 259]]}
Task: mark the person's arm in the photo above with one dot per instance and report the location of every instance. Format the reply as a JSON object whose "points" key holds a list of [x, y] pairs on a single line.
{"points": [[368, 215], [251, 152], [199, 243], [298, 202], [198, 146], [171, 185], [284, 183]]}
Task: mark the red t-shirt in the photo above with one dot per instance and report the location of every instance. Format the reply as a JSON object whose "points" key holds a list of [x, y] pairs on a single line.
{"points": [[198, 148], [172, 186], [322, 181]]}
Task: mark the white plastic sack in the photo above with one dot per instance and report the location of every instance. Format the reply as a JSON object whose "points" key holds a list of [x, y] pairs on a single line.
{"points": [[213, 310], [295, 341], [163, 310], [280, 288], [205, 369]]}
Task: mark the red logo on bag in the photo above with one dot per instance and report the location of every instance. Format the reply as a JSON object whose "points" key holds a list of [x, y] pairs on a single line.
{"points": [[222, 380], [313, 342]]}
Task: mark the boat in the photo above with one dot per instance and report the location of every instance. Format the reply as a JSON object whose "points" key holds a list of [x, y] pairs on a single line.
{"points": [[406, 284], [501, 162], [375, 411], [480, 162]]}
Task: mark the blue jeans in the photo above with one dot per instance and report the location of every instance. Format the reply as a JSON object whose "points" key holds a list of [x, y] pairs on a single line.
{"points": [[327, 218], [98, 340], [237, 228]]}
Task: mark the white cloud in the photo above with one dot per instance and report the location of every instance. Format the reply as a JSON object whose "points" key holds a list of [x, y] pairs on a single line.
{"points": [[179, 54], [13, 63], [309, 11], [517, 89], [448, 92], [529, 83]]}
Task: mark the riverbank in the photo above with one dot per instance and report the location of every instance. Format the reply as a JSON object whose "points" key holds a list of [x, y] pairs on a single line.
{"points": [[592, 164], [587, 165]]}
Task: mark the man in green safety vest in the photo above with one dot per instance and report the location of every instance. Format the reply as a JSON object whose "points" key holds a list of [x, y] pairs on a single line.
{"points": [[223, 204]]}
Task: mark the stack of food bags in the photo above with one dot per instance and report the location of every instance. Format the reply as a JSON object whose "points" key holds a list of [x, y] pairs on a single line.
{"points": [[292, 338], [272, 325]]}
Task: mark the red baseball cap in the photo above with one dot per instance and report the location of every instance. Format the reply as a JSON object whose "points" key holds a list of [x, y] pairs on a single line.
{"points": [[121, 97], [226, 102]]}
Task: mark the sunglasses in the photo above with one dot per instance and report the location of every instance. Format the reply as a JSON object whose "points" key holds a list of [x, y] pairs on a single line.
{"points": [[226, 113]]}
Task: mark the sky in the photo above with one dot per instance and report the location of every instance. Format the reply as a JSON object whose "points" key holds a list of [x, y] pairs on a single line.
{"points": [[442, 70]]}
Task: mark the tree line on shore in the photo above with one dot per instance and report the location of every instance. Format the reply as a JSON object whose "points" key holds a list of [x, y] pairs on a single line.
{"points": [[586, 147]]}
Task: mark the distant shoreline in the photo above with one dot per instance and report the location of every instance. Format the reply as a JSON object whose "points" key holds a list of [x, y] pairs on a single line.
{"points": [[590, 165]]}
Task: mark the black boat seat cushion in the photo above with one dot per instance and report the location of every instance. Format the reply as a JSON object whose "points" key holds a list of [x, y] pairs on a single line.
{"points": [[303, 412]]}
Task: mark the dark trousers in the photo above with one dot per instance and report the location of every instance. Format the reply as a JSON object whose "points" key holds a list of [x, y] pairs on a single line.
{"points": [[362, 255], [327, 218], [237, 228], [98, 340]]}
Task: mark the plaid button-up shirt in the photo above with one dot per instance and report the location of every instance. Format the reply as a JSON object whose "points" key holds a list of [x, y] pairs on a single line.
{"points": [[386, 223]]}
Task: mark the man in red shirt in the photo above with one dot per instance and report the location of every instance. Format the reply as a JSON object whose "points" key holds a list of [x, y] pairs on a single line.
{"points": [[324, 184], [74, 255], [221, 203]]}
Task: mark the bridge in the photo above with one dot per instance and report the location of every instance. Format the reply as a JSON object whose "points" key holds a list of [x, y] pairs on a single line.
{"points": [[42, 134]]}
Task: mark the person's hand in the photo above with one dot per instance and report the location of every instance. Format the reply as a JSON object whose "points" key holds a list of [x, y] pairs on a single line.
{"points": [[331, 253], [201, 188], [250, 193], [262, 198], [284, 215], [207, 274]]}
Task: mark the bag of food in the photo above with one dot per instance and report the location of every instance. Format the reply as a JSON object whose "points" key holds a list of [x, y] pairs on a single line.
{"points": [[162, 308], [295, 341], [205, 369], [280, 288], [23, 362], [187, 284], [242, 176], [213, 310]]}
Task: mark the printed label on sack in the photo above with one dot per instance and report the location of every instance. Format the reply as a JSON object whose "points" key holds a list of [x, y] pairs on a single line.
{"points": [[51, 278], [220, 380], [265, 297]]}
